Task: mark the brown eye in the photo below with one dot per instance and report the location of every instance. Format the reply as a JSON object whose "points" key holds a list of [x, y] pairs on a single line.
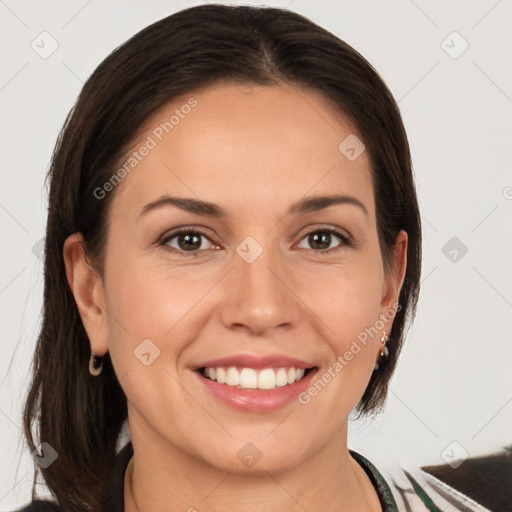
{"points": [[323, 240], [190, 241], [320, 240]]}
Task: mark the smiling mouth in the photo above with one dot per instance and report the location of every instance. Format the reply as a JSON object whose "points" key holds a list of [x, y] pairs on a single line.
{"points": [[250, 378]]}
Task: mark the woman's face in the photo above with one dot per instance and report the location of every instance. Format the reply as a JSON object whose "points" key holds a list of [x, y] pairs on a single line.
{"points": [[262, 281]]}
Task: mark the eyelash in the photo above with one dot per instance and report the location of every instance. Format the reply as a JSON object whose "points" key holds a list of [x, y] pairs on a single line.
{"points": [[345, 239]]}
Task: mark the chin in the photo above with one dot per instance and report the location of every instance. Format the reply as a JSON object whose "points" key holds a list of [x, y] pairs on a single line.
{"points": [[258, 458]]}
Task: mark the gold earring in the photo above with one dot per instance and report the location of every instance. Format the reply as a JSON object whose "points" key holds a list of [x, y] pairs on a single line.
{"points": [[384, 339], [385, 351]]}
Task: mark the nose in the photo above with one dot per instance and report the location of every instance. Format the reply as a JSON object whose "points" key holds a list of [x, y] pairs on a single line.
{"points": [[260, 296]]}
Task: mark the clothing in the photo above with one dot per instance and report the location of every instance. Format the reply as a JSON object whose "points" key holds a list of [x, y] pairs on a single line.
{"points": [[401, 490]]}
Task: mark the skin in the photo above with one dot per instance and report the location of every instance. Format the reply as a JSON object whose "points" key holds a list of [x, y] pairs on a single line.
{"points": [[254, 151]]}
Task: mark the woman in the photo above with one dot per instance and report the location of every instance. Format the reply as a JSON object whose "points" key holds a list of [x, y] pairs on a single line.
{"points": [[232, 255]]}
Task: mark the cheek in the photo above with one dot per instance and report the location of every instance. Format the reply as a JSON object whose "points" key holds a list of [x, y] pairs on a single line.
{"points": [[148, 325], [349, 304], [348, 299], [144, 308], [157, 310], [349, 307], [149, 300]]}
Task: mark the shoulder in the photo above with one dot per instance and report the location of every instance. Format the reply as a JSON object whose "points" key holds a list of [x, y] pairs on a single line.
{"points": [[40, 506], [409, 487]]}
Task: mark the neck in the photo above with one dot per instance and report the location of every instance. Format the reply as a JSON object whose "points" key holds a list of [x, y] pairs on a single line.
{"points": [[162, 477]]}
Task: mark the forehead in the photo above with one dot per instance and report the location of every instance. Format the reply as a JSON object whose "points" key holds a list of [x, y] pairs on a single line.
{"points": [[229, 143]]}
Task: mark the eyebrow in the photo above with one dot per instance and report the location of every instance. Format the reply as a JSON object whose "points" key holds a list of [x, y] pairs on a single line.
{"points": [[199, 207]]}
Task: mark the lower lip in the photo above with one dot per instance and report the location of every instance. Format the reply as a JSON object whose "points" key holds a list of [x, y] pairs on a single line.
{"points": [[257, 400]]}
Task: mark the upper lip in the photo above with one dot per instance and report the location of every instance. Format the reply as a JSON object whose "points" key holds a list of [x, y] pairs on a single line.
{"points": [[251, 361]]}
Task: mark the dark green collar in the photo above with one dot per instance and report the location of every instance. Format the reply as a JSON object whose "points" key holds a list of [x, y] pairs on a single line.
{"points": [[387, 501]]}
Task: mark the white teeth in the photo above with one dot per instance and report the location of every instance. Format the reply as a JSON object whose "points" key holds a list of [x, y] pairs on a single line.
{"points": [[281, 377], [233, 377], [220, 375], [267, 379], [249, 378]]}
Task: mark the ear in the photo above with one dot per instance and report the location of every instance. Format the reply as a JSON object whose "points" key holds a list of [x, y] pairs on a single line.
{"points": [[393, 280], [87, 288]]}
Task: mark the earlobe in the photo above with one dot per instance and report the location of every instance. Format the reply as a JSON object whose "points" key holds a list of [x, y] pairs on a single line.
{"points": [[87, 288]]}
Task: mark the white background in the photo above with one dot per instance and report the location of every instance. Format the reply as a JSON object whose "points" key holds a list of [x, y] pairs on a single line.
{"points": [[453, 382]]}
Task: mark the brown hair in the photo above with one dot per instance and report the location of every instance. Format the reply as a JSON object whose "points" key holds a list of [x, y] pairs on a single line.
{"points": [[80, 416]]}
